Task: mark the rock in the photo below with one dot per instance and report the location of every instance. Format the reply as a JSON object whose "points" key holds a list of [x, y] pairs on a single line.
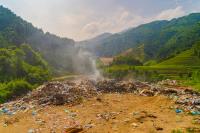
{"points": [[159, 128], [107, 115], [146, 92], [127, 120], [134, 124], [151, 116], [99, 99], [74, 130], [31, 131], [87, 126]]}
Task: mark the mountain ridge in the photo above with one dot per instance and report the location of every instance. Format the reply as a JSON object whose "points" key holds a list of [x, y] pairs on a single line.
{"points": [[162, 39], [15, 31]]}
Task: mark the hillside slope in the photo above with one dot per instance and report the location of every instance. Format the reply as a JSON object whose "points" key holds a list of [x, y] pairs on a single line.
{"points": [[161, 39], [91, 44], [136, 53], [15, 31], [186, 58]]}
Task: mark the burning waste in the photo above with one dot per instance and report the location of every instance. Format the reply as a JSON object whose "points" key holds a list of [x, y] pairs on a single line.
{"points": [[85, 63]]}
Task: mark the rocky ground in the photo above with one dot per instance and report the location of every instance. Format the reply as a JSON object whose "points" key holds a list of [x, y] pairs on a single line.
{"points": [[105, 106]]}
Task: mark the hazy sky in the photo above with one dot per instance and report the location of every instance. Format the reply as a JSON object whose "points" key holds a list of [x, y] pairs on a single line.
{"points": [[82, 19]]}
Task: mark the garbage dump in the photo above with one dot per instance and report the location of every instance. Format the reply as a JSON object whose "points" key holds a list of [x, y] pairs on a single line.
{"points": [[59, 93], [187, 99], [73, 92]]}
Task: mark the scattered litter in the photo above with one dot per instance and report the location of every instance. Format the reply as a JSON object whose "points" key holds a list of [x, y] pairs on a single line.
{"points": [[193, 129], [196, 121], [195, 113], [34, 113], [179, 111], [66, 111], [31, 131], [107, 115], [87, 126], [69, 92], [159, 128]]}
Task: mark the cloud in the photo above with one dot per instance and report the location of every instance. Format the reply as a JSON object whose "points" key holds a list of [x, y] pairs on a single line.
{"points": [[91, 28], [170, 13], [81, 20], [121, 20], [124, 19]]}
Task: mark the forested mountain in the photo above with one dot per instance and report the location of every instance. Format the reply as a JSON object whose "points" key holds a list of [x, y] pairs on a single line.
{"points": [[93, 43], [14, 31], [28, 56], [161, 39]]}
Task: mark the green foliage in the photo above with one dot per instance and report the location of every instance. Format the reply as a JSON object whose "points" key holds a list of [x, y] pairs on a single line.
{"points": [[32, 57], [128, 60], [150, 63], [14, 31], [13, 89], [184, 67], [194, 80], [117, 71], [186, 58], [18, 88], [197, 50], [36, 75], [20, 63], [177, 131]]}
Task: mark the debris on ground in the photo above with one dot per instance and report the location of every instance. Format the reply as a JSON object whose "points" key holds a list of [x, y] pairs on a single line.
{"points": [[187, 99], [58, 93], [74, 130], [70, 93]]}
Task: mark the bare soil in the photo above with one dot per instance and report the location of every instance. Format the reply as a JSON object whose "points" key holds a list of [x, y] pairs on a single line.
{"points": [[108, 113]]}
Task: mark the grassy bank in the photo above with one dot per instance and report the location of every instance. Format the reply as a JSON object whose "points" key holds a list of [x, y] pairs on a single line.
{"points": [[187, 75]]}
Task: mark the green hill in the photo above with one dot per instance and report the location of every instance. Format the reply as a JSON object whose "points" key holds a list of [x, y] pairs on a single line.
{"points": [[161, 39], [186, 58], [136, 53], [28, 56], [14, 31]]}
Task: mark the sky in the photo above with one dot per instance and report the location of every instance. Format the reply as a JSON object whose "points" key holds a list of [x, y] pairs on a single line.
{"points": [[84, 19]]}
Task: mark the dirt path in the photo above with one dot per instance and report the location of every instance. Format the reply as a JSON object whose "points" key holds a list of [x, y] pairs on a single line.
{"points": [[109, 113]]}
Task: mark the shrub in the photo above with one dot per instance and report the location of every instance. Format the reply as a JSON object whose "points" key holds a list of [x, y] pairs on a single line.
{"points": [[17, 88]]}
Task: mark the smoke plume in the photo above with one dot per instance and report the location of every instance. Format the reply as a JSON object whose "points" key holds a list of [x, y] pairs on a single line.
{"points": [[85, 63]]}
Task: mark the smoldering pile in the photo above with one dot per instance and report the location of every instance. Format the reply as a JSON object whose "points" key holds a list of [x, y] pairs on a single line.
{"points": [[59, 93]]}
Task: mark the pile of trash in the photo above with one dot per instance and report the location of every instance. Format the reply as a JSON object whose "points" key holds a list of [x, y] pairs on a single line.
{"points": [[187, 99], [52, 93], [110, 86], [73, 92], [59, 93]]}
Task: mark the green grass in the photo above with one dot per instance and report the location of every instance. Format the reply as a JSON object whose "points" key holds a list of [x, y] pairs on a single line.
{"points": [[186, 58], [184, 67]]}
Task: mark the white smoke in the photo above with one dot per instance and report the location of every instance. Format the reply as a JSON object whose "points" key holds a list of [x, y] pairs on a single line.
{"points": [[85, 64]]}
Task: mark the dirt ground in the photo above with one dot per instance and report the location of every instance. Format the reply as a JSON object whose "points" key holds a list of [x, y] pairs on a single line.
{"points": [[108, 113]]}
